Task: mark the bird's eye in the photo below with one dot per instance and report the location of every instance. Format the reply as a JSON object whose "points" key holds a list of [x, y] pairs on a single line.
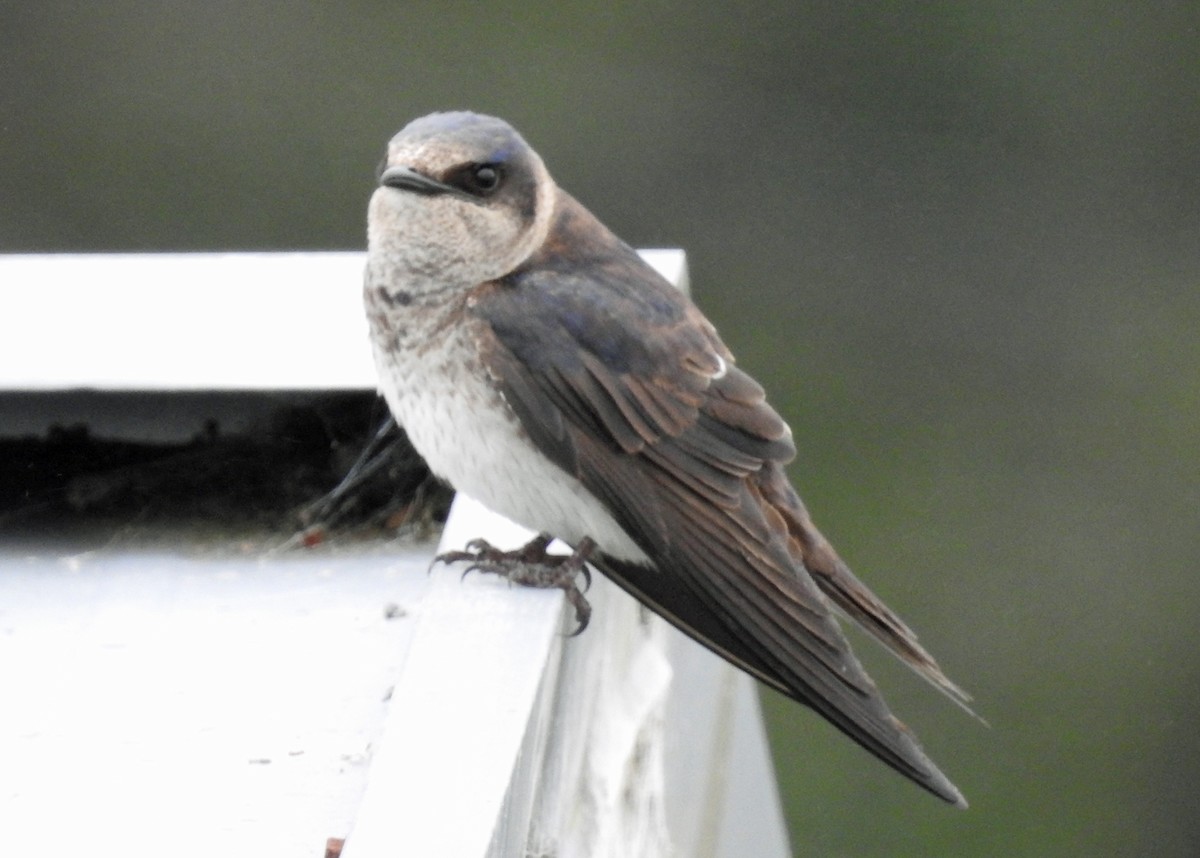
{"points": [[481, 180]]}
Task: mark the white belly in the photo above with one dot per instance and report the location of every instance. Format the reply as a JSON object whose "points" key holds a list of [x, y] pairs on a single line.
{"points": [[459, 424]]}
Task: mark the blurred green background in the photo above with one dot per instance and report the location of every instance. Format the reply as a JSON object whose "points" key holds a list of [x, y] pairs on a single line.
{"points": [[959, 245]]}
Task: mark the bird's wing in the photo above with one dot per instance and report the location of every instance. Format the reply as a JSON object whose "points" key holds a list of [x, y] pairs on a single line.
{"points": [[624, 384]]}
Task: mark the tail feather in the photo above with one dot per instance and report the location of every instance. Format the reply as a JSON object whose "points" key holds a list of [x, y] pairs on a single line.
{"points": [[850, 595]]}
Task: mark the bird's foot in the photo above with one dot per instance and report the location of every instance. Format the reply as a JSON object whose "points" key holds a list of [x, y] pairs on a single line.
{"points": [[531, 566]]}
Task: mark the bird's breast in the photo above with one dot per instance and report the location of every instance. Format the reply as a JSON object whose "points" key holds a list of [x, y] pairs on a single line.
{"points": [[440, 392]]}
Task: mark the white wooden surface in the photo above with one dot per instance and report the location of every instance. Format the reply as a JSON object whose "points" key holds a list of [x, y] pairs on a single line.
{"points": [[161, 705], [192, 321], [146, 693], [461, 707], [508, 739]]}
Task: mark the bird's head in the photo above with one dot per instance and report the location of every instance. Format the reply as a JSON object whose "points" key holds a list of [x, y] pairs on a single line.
{"points": [[462, 199]]}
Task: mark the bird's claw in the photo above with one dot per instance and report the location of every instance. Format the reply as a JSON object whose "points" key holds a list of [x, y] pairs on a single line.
{"points": [[531, 566]]}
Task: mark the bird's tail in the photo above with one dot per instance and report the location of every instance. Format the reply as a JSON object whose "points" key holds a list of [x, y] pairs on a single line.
{"points": [[852, 596]]}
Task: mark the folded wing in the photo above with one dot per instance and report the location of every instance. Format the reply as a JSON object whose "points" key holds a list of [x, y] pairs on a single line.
{"points": [[628, 387]]}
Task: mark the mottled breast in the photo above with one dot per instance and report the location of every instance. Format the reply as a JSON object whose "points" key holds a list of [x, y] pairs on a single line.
{"points": [[433, 381]]}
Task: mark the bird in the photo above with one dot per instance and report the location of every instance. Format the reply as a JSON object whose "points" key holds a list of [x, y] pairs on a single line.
{"points": [[539, 365]]}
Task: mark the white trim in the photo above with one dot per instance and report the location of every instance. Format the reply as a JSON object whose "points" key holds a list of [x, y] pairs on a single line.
{"points": [[192, 321]]}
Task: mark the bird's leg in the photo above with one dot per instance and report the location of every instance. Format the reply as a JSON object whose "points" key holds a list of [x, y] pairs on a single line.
{"points": [[531, 566]]}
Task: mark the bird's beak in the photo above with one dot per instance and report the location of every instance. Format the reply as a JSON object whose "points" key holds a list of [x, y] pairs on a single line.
{"points": [[406, 179]]}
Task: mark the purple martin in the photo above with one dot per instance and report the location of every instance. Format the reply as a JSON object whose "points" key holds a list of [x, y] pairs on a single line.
{"points": [[539, 365]]}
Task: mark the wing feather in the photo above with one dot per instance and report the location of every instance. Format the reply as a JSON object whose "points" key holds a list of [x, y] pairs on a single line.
{"points": [[623, 383]]}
